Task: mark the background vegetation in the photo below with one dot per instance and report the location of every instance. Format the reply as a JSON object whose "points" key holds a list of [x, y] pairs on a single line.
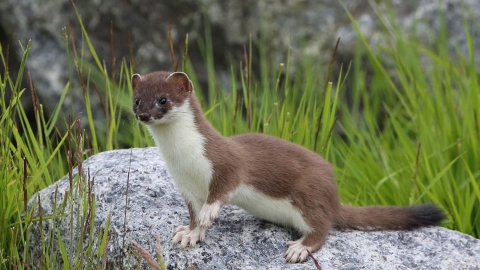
{"points": [[400, 125]]}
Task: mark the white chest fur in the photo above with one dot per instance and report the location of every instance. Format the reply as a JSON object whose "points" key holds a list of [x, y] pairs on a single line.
{"points": [[183, 148]]}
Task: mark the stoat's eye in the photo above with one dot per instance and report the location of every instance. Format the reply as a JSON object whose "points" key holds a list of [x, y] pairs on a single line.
{"points": [[162, 101], [137, 101]]}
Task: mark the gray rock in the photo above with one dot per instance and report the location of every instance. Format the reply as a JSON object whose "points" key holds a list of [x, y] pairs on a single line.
{"points": [[309, 24], [237, 240]]}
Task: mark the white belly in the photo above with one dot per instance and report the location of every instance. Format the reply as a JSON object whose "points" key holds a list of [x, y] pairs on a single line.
{"points": [[280, 211]]}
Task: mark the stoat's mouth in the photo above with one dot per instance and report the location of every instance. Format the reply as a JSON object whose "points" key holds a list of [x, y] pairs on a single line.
{"points": [[150, 121], [145, 118], [147, 121]]}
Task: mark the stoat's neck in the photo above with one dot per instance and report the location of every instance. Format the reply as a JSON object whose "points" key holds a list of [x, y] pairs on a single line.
{"points": [[183, 147], [204, 126], [180, 135], [188, 134]]}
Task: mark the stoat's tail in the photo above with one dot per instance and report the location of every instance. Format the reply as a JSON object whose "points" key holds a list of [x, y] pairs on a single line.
{"points": [[388, 218]]}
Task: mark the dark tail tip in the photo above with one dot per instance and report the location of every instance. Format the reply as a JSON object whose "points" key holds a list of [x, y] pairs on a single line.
{"points": [[427, 215]]}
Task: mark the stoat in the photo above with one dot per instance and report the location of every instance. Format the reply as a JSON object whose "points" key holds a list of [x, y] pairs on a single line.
{"points": [[271, 178]]}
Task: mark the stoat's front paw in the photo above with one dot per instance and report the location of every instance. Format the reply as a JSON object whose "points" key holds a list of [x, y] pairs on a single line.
{"points": [[208, 214], [188, 237]]}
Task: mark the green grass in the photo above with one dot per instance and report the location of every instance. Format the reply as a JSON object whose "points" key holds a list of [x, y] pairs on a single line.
{"points": [[401, 125]]}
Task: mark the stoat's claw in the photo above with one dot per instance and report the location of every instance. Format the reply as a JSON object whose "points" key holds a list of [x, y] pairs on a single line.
{"points": [[296, 252], [181, 228], [188, 237]]}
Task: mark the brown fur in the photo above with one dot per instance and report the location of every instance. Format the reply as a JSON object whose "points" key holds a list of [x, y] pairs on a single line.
{"points": [[277, 168], [224, 156], [193, 216], [153, 85]]}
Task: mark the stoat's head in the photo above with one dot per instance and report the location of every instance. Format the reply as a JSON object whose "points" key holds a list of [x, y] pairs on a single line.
{"points": [[158, 96]]}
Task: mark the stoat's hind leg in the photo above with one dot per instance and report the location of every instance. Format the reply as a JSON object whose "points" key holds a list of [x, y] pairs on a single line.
{"points": [[310, 241], [297, 250]]}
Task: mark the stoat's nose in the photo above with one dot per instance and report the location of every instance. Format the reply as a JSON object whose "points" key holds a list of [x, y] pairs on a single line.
{"points": [[145, 117]]}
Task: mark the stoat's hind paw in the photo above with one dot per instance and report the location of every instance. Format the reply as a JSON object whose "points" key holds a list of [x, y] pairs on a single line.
{"points": [[188, 237], [296, 252]]}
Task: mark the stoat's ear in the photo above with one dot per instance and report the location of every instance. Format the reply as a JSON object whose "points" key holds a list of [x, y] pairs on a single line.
{"points": [[181, 81], [136, 78]]}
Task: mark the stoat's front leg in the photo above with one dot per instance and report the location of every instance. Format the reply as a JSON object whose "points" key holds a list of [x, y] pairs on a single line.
{"points": [[220, 191], [190, 234], [208, 214], [200, 221], [201, 218]]}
